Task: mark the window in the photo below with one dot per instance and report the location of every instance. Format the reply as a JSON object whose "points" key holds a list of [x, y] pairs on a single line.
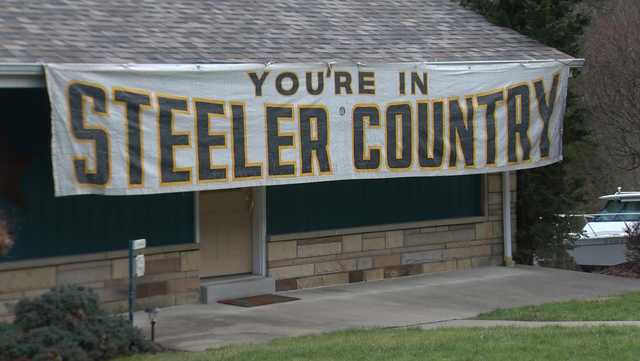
{"points": [[357, 203], [46, 226], [619, 211]]}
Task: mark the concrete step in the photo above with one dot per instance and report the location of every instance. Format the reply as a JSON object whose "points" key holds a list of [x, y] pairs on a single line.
{"points": [[224, 288]]}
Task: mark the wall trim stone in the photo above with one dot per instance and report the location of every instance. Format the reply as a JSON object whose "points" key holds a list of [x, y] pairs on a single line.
{"points": [[90, 257], [377, 228]]}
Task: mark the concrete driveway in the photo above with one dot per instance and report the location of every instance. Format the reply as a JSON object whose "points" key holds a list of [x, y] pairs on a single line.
{"points": [[405, 301]]}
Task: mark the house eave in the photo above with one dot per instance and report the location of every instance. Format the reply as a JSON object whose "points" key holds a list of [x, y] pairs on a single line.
{"points": [[21, 75], [31, 75]]}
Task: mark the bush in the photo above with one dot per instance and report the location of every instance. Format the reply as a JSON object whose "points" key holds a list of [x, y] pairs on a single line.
{"points": [[66, 324], [107, 336], [52, 343], [61, 306], [632, 242], [9, 343]]}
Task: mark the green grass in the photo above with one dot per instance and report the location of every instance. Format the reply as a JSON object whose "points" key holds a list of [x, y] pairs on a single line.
{"points": [[469, 344], [617, 308]]}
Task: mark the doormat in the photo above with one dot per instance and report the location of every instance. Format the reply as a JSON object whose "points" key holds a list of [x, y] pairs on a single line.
{"points": [[259, 300]]}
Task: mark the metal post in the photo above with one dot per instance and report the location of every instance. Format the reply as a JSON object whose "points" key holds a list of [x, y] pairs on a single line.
{"points": [[506, 218], [132, 281]]}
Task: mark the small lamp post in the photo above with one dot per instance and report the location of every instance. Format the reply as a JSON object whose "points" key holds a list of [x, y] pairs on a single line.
{"points": [[152, 313]]}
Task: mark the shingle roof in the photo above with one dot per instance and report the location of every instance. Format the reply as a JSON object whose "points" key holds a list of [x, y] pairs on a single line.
{"points": [[211, 31]]}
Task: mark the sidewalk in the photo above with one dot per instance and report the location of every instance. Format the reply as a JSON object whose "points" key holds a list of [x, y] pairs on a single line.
{"points": [[532, 324], [409, 301]]}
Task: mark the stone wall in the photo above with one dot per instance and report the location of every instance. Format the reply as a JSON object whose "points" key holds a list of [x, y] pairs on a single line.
{"points": [[407, 250], [171, 278]]}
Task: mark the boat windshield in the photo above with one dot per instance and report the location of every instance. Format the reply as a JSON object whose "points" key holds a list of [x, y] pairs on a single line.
{"points": [[617, 211]]}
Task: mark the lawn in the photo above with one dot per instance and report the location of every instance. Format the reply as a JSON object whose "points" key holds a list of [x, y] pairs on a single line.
{"points": [[617, 308], [496, 344]]}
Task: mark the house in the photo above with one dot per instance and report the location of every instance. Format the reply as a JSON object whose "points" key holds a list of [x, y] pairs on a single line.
{"points": [[205, 244]]}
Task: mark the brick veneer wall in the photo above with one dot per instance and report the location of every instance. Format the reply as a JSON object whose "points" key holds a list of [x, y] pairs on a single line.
{"points": [[171, 278], [356, 257]]}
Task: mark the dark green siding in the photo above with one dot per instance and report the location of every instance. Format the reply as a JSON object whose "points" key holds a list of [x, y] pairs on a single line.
{"points": [[355, 203], [46, 226]]}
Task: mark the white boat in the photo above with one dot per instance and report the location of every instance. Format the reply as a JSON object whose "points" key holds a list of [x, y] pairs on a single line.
{"points": [[602, 242]]}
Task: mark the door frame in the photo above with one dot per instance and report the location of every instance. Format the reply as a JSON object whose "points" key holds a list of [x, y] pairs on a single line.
{"points": [[259, 231], [258, 228]]}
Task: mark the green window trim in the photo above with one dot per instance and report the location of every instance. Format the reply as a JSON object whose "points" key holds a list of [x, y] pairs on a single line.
{"points": [[45, 226]]}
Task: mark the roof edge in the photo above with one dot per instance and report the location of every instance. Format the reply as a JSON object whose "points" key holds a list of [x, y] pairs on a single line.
{"points": [[571, 62], [21, 75], [31, 75]]}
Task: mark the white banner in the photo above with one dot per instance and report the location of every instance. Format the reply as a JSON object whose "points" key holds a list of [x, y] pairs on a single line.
{"points": [[139, 129]]}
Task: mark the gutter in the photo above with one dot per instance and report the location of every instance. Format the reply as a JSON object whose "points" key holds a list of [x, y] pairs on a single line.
{"points": [[21, 75], [506, 219], [31, 75], [572, 62]]}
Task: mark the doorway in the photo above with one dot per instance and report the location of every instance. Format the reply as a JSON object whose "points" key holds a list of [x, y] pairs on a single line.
{"points": [[225, 226]]}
